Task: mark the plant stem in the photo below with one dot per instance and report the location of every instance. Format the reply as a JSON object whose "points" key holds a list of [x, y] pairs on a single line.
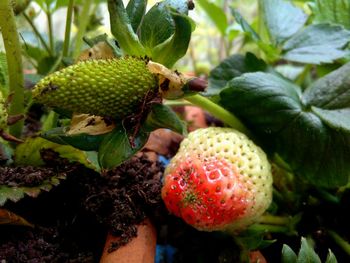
{"points": [[36, 32], [68, 28], [274, 220], [56, 64], [269, 228], [83, 22], [301, 78], [218, 112], [49, 23], [14, 63], [260, 24], [340, 241], [177, 103]]}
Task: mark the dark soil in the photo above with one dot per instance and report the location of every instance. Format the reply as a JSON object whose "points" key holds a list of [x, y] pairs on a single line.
{"points": [[72, 220], [122, 197], [26, 176]]}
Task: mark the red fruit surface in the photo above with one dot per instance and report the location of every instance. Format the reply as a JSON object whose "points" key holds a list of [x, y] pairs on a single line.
{"points": [[207, 193], [218, 180]]}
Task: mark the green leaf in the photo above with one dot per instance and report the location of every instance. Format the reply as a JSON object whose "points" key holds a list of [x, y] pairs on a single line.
{"points": [[171, 50], [291, 72], [232, 67], [82, 141], [122, 30], [272, 53], [253, 239], [307, 253], [288, 255], [34, 52], [28, 153], [16, 193], [250, 93], [322, 43], [216, 14], [162, 116], [336, 119], [332, 11], [136, 10], [245, 26], [331, 257], [272, 107], [117, 148], [331, 91], [282, 19], [45, 64]]}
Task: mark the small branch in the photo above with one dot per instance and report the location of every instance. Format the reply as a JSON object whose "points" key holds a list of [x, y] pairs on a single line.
{"points": [[83, 22], [36, 32], [340, 241], [68, 28], [14, 63], [49, 23], [55, 65], [218, 112], [177, 103], [275, 220], [269, 228]]}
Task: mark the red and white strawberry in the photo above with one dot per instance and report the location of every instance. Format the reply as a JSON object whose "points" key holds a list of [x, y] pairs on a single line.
{"points": [[218, 180]]}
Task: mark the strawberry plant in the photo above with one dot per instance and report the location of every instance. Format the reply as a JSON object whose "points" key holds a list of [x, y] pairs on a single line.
{"points": [[83, 113]]}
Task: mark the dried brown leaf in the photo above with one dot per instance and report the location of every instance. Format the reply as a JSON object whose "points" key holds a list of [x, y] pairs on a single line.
{"points": [[9, 218]]}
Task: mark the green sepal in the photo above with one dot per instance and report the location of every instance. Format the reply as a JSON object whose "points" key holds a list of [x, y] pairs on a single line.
{"points": [[122, 30], [171, 50], [136, 10]]}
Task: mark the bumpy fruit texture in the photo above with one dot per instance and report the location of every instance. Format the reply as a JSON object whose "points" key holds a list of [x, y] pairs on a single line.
{"points": [[112, 87], [3, 113], [218, 180]]}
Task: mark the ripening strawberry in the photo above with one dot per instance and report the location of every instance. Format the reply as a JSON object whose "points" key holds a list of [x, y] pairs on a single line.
{"points": [[218, 180], [105, 87]]}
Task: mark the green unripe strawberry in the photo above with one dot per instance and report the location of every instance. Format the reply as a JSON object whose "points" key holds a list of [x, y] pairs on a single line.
{"points": [[3, 113], [112, 87], [218, 180]]}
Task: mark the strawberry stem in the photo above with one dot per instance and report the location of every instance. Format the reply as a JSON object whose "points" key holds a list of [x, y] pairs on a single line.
{"points": [[266, 228], [68, 28], [341, 242], [219, 112], [275, 220], [85, 12], [14, 63]]}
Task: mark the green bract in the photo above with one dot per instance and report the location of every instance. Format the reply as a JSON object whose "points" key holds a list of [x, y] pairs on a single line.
{"points": [[113, 87]]}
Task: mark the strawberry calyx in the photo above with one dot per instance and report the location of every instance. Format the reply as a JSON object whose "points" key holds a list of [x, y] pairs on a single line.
{"points": [[208, 193]]}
